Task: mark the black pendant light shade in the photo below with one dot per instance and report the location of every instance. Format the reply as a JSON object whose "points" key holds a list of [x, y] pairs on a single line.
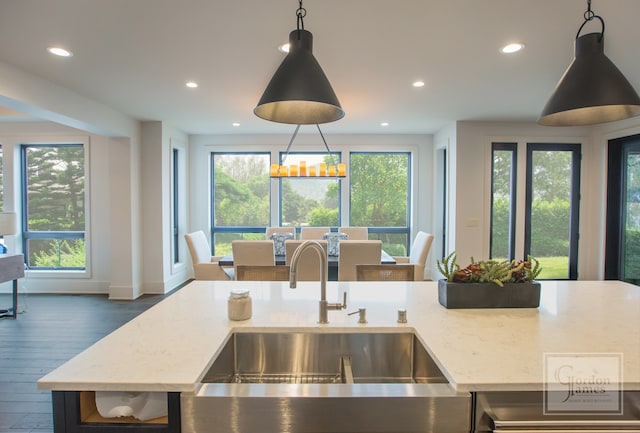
{"points": [[592, 89], [299, 91]]}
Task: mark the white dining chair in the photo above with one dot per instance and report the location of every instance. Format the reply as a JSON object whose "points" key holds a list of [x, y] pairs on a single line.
{"points": [[205, 266], [314, 233], [355, 233], [354, 253], [417, 255], [255, 253], [309, 264]]}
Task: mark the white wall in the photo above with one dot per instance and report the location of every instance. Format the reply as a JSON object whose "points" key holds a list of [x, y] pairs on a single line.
{"points": [[200, 148], [45, 100], [160, 275], [470, 197], [444, 209], [97, 277], [129, 236], [114, 140], [130, 211]]}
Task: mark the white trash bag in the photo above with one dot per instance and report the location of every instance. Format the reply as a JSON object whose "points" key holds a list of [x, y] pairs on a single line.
{"points": [[140, 405]]}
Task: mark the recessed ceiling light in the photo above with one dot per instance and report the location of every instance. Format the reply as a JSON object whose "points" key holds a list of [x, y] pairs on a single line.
{"points": [[61, 52], [418, 83], [511, 48], [384, 123], [236, 124], [191, 84], [284, 48]]}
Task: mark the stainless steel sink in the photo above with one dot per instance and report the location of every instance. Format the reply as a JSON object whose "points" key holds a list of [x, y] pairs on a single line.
{"points": [[315, 381], [305, 357]]}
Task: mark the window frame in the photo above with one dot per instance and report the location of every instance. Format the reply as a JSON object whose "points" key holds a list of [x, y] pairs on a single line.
{"points": [[212, 205], [175, 204], [59, 235], [617, 153], [338, 158], [406, 230], [513, 196], [343, 199], [574, 219]]}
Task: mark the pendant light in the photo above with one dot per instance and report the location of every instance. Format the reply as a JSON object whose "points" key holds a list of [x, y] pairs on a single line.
{"points": [[592, 89], [299, 91]]}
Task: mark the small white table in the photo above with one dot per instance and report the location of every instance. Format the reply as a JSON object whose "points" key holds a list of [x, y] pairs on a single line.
{"points": [[11, 268]]}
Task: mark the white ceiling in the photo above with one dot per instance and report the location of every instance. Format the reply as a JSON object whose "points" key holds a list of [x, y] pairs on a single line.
{"points": [[136, 55]]}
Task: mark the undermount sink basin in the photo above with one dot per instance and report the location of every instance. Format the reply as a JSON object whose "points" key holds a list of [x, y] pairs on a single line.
{"points": [[318, 381], [308, 357]]}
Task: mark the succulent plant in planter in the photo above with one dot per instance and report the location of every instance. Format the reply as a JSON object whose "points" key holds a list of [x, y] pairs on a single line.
{"points": [[494, 271], [489, 283]]}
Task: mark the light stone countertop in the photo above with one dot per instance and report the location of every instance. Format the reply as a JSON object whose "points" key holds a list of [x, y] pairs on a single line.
{"points": [[170, 346]]}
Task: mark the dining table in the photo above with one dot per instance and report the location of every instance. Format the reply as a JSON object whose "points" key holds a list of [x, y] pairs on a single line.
{"points": [[332, 262]]}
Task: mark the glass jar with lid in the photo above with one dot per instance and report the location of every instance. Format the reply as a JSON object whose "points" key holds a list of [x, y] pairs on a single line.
{"points": [[239, 305]]}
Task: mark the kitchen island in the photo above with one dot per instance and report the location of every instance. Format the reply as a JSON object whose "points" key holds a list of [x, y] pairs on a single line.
{"points": [[170, 347]]}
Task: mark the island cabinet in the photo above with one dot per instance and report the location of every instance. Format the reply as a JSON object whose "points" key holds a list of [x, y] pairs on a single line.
{"points": [[492, 361], [76, 412], [531, 411]]}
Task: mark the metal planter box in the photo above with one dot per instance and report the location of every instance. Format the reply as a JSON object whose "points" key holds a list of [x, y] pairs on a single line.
{"points": [[488, 295]]}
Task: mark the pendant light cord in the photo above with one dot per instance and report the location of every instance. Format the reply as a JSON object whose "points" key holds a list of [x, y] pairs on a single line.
{"points": [[293, 137], [300, 13], [333, 160], [589, 15], [286, 153]]}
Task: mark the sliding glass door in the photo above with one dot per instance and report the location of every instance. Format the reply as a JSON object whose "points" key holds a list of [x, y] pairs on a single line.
{"points": [[622, 260], [631, 216], [552, 208]]}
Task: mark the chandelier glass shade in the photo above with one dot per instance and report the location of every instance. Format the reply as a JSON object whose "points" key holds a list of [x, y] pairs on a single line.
{"points": [[302, 170]]}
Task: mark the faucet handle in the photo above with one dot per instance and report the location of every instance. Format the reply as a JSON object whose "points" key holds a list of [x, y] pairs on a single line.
{"points": [[338, 306]]}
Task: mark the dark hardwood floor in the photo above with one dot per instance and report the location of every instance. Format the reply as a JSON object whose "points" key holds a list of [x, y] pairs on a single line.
{"points": [[49, 330]]}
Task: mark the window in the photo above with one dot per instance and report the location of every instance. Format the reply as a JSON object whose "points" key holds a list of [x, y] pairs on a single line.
{"points": [[379, 197], [441, 189], [53, 206], [622, 258], [552, 208], [310, 201], [175, 194], [503, 201], [241, 198]]}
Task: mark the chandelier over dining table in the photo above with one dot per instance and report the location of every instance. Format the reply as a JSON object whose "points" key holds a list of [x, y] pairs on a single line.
{"points": [[333, 168], [302, 170]]}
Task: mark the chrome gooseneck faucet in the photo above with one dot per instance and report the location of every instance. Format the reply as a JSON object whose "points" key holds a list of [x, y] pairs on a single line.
{"points": [[324, 270]]}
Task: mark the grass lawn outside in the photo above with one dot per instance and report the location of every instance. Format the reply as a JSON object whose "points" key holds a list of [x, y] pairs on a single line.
{"points": [[553, 268]]}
